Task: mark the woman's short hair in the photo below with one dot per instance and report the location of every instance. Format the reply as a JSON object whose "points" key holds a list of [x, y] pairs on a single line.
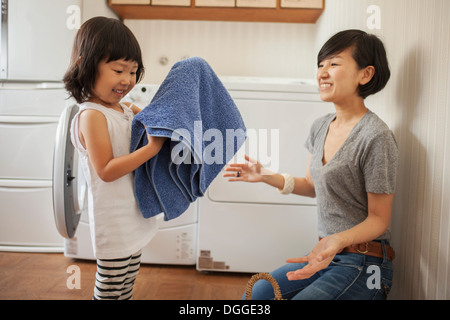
{"points": [[368, 50], [99, 38]]}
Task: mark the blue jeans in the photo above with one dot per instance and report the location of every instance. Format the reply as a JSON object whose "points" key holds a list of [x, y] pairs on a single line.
{"points": [[349, 276]]}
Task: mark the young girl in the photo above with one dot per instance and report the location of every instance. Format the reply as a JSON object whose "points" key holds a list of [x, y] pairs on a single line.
{"points": [[351, 171], [106, 64]]}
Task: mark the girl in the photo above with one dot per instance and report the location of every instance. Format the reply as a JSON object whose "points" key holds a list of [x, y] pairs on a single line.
{"points": [[352, 172], [106, 64]]}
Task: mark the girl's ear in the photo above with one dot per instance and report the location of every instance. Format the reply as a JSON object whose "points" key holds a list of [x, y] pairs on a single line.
{"points": [[79, 61], [367, 75]]}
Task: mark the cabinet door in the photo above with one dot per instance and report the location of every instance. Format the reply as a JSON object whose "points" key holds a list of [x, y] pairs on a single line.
{"points": [[26, 217], [39, 39], [214, 3], [257, 3], [27, 147], [131, 2], [313, 4], [180, 3], [31, 100]]}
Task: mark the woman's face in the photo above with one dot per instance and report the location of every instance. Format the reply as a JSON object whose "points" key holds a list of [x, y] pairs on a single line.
{"points": [[339, 77]]}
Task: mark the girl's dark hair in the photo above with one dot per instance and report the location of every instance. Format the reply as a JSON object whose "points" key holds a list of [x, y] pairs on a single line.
{"points": [[99, 39], [368, 50]]}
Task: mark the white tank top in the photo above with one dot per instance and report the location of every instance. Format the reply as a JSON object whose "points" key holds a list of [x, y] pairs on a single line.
{"points": [[117, 226]]}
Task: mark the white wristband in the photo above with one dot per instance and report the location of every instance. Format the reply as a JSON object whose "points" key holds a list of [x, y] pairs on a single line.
{"points": [[289, 184]]}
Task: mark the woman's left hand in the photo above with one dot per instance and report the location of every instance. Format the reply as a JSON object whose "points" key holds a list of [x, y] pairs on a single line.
{"points": [[319, 258]]}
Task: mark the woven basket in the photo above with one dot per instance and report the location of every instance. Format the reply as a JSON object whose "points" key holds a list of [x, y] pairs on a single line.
{"points": [[263, 276]]}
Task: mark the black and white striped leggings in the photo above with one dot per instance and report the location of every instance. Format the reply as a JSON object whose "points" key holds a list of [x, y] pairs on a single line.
{"points": [[115, 278]]}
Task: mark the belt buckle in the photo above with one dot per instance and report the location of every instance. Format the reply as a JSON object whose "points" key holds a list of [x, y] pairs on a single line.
{"points": [[364, 252]]}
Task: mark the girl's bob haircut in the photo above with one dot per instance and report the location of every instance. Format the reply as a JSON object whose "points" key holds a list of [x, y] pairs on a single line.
{"points": [[99, 39], [368, 50]]}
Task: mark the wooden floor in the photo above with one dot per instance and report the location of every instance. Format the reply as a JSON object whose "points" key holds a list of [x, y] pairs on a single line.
{"points": [[39, 276]]}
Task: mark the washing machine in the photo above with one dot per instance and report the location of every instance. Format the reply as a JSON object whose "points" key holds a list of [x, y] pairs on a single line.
{"points": [[246, 227], [175, 241]]}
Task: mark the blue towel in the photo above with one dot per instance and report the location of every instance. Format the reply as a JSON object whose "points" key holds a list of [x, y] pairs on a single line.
{"points": [[194, 110]]}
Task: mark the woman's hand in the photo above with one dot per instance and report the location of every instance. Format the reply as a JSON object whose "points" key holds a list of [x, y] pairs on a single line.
{"points": [[251, 171], [319, 258]]}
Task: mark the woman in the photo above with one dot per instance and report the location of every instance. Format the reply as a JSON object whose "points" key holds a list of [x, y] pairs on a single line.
{"points": [[351, 171]]}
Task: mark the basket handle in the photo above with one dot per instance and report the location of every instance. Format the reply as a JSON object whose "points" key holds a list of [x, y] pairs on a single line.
{"points": [[263, 276]]}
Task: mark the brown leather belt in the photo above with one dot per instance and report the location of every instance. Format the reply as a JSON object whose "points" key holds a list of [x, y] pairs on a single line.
{"points": [[372, 248]]}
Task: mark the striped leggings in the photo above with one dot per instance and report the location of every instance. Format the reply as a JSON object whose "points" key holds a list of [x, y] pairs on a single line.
{"points": [[114, 279]]}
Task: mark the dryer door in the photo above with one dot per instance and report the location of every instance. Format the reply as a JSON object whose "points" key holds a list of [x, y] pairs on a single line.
{"points": [[69, 187]]}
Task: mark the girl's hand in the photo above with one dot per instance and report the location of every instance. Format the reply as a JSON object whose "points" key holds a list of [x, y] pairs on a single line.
{"points": [[155, 143], [251, 171], [319, 258]]}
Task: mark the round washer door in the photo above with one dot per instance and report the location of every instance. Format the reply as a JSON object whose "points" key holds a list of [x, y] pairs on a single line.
{"points": [[68, 182]]}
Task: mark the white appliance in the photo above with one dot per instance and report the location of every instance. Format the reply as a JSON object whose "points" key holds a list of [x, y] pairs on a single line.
{"points": [[251, 227], [34, 53], [175, 242]]}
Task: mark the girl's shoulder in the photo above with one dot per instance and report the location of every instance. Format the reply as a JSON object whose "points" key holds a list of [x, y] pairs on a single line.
{"points": [[92, 106], [90, 110], [132, 107]]}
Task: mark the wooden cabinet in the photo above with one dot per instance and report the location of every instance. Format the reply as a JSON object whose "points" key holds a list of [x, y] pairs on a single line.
{"points": [[130, 2], [256, 3], [314, 4], [176, 3], [293, 11], [215, 3]]}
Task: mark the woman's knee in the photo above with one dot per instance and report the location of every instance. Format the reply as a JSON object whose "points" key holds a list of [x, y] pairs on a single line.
{"points": [[263, 289]]}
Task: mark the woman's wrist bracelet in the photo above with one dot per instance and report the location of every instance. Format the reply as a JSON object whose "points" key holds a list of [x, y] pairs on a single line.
{"points": [[289, 184]]}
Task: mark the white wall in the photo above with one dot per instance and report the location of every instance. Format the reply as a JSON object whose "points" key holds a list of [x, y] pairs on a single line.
{"points": [[416, 104], [93, 8], [231, 48]]}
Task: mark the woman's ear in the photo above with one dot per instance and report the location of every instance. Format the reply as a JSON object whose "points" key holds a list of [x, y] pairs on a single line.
{"points": [[79, 61], [367, 75]]}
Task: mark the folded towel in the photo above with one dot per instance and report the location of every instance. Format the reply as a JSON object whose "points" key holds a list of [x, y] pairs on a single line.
{"points": [[194, 110]]}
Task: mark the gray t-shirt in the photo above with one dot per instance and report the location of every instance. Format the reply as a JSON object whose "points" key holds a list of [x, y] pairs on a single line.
{"points": [[366, 162]]}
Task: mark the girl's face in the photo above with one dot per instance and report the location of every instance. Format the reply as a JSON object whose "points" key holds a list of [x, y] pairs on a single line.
{"points": [[339, 78], [114, 80]]}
